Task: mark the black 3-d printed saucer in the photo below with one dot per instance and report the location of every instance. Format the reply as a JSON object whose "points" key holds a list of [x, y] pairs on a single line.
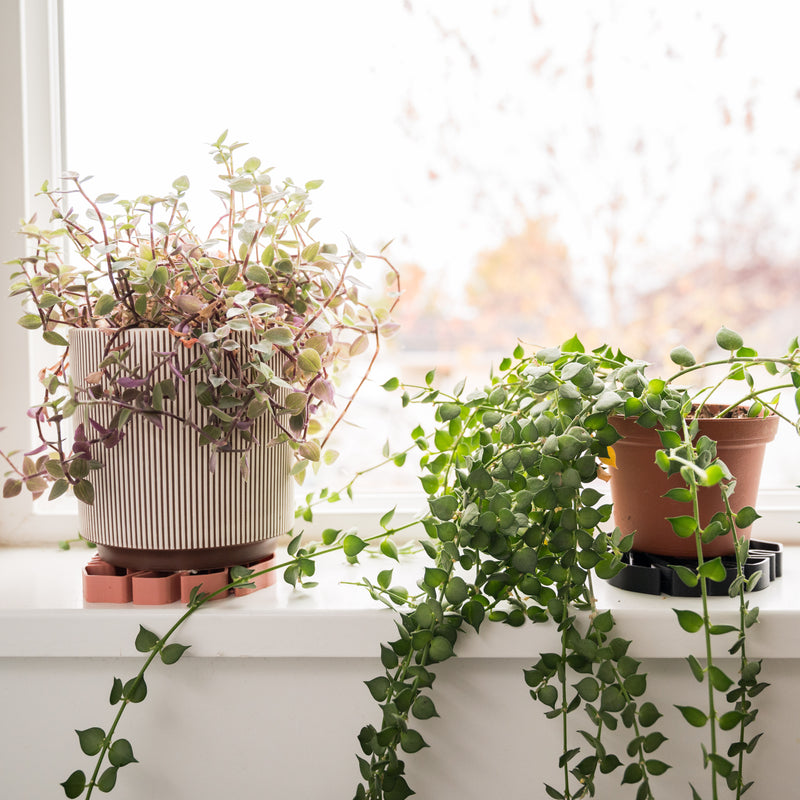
{"points": [[651, 574]]}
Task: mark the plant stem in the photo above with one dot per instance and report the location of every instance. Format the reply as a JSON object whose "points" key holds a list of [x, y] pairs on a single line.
{"points": [[712, 716]]}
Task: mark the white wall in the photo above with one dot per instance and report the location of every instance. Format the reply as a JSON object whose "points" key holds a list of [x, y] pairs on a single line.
{"points": [[286, 728]]}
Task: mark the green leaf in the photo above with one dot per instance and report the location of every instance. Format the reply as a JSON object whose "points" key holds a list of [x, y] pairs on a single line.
{"points": [[682, 356], [633, 773], [309, 360], [135, 690], [648, 714], [440, 649], [690, 621], [172, 652], [679, 494], [107, 780], [573, 345], [746, 517], [683, 526], [713, 570], [456, 590], [389, 549], [391, 384], [443, 507], [84, 491], [116, 692], [688, 576], [105, 305], [75, 784], [145, 640], [51, 337], [696, 668], [121, 753], [353, 545], [728, 339], [91, 740], [424, 708], [378, 688], [719, 680], [385, 578], [694, 716], [588, 689], [448, 411], [411, 741], [387, 518], [30, 321], [729, 720]]}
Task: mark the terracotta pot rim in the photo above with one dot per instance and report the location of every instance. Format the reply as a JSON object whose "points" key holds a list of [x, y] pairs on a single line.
{"points": [[754, 430]]}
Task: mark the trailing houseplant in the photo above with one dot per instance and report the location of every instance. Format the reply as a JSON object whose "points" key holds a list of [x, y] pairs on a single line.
{"points": [[516, 534], [229, 343]]}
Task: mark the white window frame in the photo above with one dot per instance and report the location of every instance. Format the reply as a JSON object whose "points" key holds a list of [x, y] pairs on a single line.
{"points": [[32, 146]]}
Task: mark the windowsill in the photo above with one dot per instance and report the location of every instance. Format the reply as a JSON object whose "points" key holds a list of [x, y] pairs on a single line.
{"points": [[42, 615]]}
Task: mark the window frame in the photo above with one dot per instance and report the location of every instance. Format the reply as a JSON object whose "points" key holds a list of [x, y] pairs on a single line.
{"points": [[33, 145]]}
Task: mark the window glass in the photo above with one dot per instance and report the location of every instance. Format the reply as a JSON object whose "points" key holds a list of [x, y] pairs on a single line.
{"points": [[625, 170]]}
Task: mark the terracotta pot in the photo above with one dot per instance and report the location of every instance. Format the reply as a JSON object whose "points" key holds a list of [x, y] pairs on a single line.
{"points": [[638, 485], [157, 505]]}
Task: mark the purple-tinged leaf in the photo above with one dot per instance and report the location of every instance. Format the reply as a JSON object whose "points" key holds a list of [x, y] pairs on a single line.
{"points": [[131, 383]]}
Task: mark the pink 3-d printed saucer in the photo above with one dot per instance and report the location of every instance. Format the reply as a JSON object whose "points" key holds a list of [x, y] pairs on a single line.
{"points": [[105, 583]]}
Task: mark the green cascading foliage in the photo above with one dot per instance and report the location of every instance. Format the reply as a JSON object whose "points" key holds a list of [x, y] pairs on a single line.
{"points": [[514, 536]]}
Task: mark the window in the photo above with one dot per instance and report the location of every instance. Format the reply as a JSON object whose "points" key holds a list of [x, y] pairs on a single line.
{"points": [[629, 171]]}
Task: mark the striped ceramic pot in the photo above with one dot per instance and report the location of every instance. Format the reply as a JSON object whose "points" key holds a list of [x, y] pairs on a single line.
{"points": [[157, 504]]}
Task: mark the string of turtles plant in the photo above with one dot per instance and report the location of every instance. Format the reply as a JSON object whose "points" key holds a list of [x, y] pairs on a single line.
{"points": [[514, 536]]}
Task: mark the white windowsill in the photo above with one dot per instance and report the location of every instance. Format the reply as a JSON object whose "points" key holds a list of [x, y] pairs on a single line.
{"points": [[42, 615]]}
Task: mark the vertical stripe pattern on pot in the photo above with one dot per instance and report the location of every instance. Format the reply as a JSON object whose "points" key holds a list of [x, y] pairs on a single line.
{"points": [[155, 490]]}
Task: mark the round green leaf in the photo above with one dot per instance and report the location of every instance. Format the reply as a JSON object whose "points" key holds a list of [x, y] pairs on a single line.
{"points": [[121, 753], [443, 507], [728, 339], [440, 648], [75, 784], [456, 590], [411, 741], [107, 780], [682, 357], [746, 517], [352, 545], [424, 708], [91, 740], [378, 688], [145, 640], [694, 716], [690, 621], [172, 652]]}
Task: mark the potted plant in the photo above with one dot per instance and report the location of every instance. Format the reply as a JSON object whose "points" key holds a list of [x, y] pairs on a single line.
{"points": [[516, 534], [190, 369], [648, 491]]}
